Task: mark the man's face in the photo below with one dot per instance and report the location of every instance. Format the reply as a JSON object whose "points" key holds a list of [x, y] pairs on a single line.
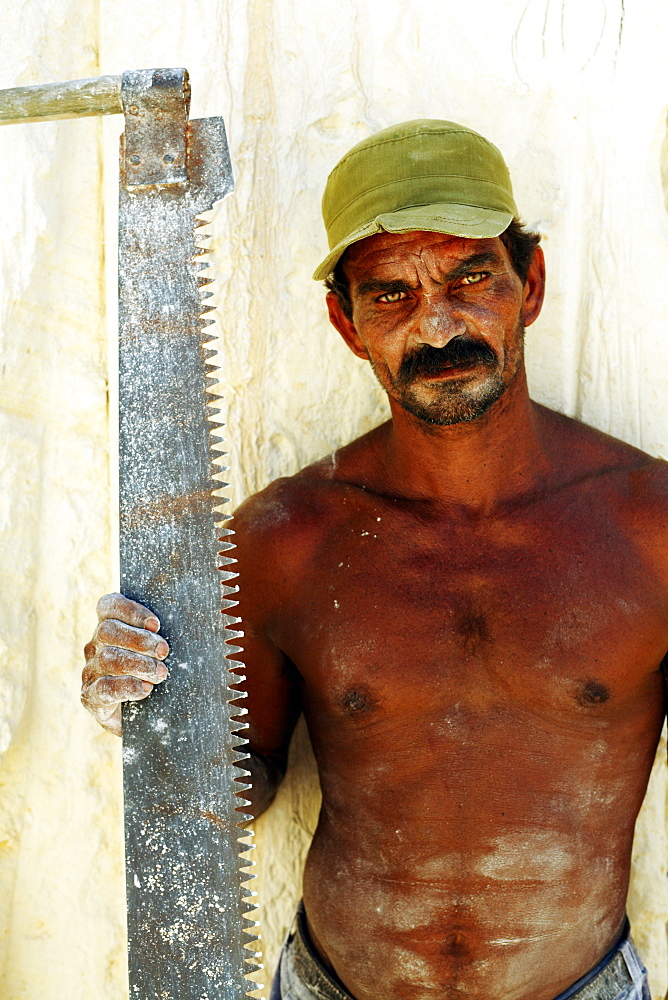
{"points": [[440, 318]]}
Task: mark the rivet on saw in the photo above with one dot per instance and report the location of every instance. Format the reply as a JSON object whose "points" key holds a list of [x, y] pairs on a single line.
{"points": [[168, 158], [135, 159]]}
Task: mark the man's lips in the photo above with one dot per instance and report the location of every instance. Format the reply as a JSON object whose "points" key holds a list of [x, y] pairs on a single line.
{"points": [[449, 370]]}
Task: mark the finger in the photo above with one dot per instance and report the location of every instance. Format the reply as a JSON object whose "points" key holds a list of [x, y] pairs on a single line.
{"points": [[114, 662], [111, 632], [102, 695], [117, 606], [109, 719]]}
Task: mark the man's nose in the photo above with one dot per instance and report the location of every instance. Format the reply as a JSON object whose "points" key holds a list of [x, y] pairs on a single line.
{"points": [[439, 322]]}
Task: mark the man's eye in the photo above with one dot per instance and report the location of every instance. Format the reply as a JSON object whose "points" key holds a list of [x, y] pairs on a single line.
{"points": [[391, 297], [474, 277]]}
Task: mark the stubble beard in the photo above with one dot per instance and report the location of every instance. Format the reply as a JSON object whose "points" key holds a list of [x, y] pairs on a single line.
{"points": [[457, 400]]}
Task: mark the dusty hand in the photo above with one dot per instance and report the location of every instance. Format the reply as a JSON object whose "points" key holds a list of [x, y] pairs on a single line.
{"points": [[122, 659]]}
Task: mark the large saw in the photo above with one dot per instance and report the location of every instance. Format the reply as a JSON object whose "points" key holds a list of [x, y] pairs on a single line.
{"points": [[189, 926]]}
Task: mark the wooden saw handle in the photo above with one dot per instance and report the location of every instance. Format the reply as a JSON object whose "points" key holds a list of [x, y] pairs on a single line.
{"points": [[100, 95]]}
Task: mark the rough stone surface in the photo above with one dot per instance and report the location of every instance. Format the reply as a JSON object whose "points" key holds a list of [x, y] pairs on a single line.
{"points": [[570, 92]]}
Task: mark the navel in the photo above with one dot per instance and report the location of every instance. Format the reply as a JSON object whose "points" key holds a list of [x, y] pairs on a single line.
{"points": [[455, 945]]}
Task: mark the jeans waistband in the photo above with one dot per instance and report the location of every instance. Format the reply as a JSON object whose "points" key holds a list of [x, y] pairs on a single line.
{"points": [[307, 965], [577, 986]]}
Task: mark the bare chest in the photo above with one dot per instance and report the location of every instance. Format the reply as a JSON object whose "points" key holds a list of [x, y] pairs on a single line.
{"points": [[558, 613]]}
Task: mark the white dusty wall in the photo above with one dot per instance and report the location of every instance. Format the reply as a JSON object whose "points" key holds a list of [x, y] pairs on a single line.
{"points": [[574, 94]]}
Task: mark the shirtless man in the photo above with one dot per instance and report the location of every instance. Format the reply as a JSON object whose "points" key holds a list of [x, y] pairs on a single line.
{"points": [[470, 605]]}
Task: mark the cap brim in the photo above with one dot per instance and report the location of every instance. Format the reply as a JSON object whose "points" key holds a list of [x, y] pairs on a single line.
{"points": [[454, 220]]}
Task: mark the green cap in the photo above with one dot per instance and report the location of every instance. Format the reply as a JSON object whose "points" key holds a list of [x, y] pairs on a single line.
{"points": [[424, 174]]}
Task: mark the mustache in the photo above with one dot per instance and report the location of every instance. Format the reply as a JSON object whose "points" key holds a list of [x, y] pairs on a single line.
{"points": [[428, 360]]}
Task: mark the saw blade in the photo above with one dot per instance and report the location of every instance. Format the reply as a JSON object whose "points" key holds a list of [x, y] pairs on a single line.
{"points": [[189, 915]]}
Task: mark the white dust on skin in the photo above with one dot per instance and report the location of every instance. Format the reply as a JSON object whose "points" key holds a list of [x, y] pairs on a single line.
{"points": [[526, 906], [387, 916], [269, 511], [364, 533], [329, 465], [555, 916], [506, 927], [559, 924], [417, 924], [578, 625], [414, 968], [628, 607], [540, 855]]}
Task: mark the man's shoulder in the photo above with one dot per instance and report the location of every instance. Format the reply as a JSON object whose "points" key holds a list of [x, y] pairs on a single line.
{"points": [[299, 509], [638, 480], [288, 504]]}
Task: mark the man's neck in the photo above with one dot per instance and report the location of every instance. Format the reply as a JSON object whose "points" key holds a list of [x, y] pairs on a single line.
{"points": [[478, 465]]}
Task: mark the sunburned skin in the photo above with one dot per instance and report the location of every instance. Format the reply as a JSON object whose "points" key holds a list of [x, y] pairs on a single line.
{"points": [[472, 613]]}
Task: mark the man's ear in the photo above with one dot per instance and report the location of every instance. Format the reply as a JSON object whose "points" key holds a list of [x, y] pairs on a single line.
{"points": [[345, 326], [534, 288]]}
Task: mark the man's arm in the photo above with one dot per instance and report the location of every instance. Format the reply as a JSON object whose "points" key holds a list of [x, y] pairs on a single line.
{"points": [[271, 699], [124, 662], [268, 679]]}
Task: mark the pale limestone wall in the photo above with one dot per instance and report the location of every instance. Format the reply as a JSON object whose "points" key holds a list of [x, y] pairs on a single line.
{"points": [[573, 94]]}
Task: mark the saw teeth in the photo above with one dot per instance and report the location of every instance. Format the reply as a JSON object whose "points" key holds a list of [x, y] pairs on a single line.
{"points": [[237, 723]]}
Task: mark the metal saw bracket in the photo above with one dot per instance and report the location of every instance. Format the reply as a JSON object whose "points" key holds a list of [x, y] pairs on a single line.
{"points": [[154, 146]]}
